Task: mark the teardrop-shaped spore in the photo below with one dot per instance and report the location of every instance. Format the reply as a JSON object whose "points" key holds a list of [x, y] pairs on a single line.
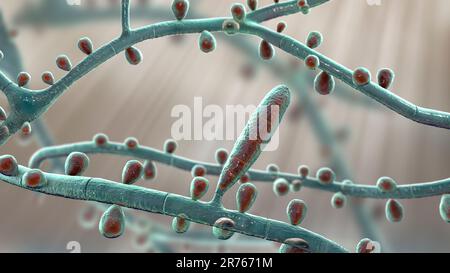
{"points": [[76, 163], [296, 211], [246, 196], [112, 222]]}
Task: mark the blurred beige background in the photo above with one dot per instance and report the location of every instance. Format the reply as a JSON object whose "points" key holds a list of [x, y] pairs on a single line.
{"points": [[410, 36]]}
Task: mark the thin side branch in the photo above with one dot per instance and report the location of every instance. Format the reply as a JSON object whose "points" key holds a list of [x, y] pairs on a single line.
{"points": [[125, 17], [407, 191]]}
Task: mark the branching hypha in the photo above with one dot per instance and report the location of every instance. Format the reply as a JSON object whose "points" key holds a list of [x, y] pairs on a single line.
{"points": [[26, 105], [57, 15]]}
